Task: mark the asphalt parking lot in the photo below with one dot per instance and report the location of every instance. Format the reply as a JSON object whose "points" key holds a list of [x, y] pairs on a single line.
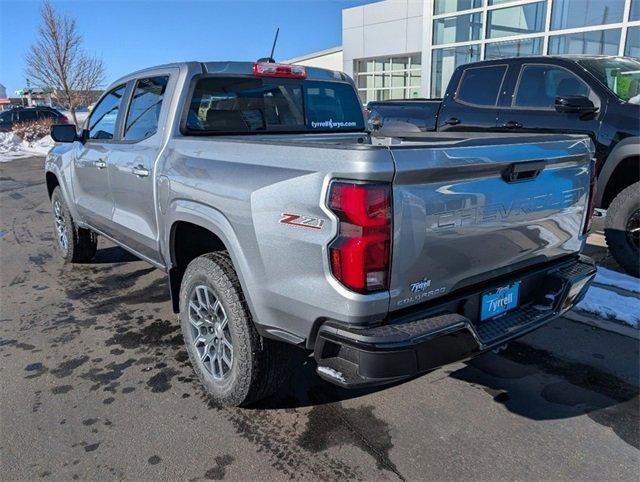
{"points": [[95, 384]]}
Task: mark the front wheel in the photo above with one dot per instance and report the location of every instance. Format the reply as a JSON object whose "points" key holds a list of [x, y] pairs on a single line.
{"points": [[75, 245], [234, 363], [622, 229]]}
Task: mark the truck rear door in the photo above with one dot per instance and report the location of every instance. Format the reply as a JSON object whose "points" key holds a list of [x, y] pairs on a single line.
{"points": [[132, 161], [471, 99], [481, 208]]}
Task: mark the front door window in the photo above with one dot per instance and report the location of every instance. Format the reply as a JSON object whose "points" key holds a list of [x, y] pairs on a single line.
{"points": [[102, 123]]}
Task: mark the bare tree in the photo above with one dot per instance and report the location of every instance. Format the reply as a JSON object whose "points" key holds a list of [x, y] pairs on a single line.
{"points": [[58, 61]]}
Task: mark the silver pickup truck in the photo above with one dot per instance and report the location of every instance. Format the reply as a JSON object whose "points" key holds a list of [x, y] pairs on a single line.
{"points": [[280, 220]]}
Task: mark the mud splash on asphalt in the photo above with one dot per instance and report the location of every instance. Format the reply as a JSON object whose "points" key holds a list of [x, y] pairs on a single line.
{"points": [[333, 425], [219, 471], [606, 399]]}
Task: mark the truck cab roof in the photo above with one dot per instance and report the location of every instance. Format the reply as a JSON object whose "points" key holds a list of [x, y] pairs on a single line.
{"points": [[573, 58], [234, 68]]}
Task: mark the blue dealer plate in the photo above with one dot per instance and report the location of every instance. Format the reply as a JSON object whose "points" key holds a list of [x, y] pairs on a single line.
{"points": [[500, 300]]}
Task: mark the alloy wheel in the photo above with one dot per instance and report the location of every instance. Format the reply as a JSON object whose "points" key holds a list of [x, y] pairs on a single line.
{"points": [[632, 229], [211, 332], [61, 226]]}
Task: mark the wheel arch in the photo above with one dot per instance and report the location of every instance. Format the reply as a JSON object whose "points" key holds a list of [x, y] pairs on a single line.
{"points": [[52, 182], [193, 229], [620, 170]]}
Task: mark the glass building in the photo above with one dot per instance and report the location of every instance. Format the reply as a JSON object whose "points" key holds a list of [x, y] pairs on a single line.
{"points": [[398, 49]]}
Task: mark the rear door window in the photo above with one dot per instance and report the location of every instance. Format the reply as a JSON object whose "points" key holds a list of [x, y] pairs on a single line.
{"points": [[481, 85], [222, 105], [144, 112], [539, 85], [46, 114], [27, 115]]}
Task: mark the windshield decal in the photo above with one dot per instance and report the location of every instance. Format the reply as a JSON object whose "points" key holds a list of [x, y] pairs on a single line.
{"points": [[331, 124]]}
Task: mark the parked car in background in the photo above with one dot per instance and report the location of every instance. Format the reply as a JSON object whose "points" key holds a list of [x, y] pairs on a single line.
{"points": [[17, 115], [594, 95], [279, 219]]}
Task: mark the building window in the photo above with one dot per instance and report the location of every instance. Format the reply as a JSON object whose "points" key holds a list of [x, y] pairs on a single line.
{"points": [[634, 13], [498, 2], [601, 42], [387, 78], [448, 6], [582, 13], [632, 48], [457, 29], [513, 48], [445, 61], [518, 20]]}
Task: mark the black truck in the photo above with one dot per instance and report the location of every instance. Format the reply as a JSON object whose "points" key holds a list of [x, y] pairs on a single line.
{"points": [[594, 95]]}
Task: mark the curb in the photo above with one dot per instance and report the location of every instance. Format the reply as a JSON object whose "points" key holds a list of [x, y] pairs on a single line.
{"points": [[603, 324]]}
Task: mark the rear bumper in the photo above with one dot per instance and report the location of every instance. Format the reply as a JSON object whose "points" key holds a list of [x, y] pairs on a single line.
{"points": [[418, 342]]}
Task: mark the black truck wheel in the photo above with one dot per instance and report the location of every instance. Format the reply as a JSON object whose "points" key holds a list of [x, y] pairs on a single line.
{"points": [[622, 229], [76, 245], [234, 363]]}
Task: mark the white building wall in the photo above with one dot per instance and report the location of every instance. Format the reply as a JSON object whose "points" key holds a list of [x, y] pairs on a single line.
{"points": [[327, 59], [389, 27]]}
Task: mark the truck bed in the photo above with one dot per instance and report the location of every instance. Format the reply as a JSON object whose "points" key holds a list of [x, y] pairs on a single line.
{"points": [[456, 219]]}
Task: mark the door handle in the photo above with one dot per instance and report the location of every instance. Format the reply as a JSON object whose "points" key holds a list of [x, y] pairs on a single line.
{"points": [[100, 164], [452, 121], [523, 171], [512, 125], [140, 171]]}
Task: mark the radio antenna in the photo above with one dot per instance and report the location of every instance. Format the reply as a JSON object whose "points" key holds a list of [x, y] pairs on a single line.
{"points": [[273, 48]]}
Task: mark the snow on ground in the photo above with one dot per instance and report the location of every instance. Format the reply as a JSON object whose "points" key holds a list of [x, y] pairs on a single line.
{"points": [[12, 147], [613, 278], [612, 305]]}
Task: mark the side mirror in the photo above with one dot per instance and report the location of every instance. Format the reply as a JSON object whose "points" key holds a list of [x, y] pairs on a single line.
{"points": [[64, 133], [574, 104]]}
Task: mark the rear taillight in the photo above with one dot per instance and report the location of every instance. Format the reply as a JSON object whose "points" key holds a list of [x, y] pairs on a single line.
{"points": [[63, 119], [269, 69], [360, 255], [592, 199]]}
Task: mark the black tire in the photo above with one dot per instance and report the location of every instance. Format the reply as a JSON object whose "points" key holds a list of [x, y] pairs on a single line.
{"points": [[81, 244], [622, 215], [258, 364]]}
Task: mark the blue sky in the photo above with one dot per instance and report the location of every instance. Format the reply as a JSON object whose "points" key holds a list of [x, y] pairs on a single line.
{"points": [[129, 35]]}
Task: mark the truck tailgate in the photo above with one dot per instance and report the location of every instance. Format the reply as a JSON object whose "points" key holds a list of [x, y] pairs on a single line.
{"points": [[469, 212]]}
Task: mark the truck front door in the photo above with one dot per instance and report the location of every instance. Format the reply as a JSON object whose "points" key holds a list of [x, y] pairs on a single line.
{"points": [[535, 87], [91, 179], [132, 164]]}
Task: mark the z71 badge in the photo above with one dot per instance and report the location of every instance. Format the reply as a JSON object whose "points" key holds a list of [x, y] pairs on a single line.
{"points": [[301, 221]]}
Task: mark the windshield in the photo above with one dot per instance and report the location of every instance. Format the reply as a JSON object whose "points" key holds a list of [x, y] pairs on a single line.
{"points": [[239, 105], [620, 75]]}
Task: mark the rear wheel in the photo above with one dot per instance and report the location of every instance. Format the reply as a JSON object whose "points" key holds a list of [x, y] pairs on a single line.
{"points": [[76, 245], [622, 229], [234, 363]]}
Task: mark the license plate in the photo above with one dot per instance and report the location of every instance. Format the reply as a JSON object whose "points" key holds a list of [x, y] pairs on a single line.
{"points": [[499, 300]]}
